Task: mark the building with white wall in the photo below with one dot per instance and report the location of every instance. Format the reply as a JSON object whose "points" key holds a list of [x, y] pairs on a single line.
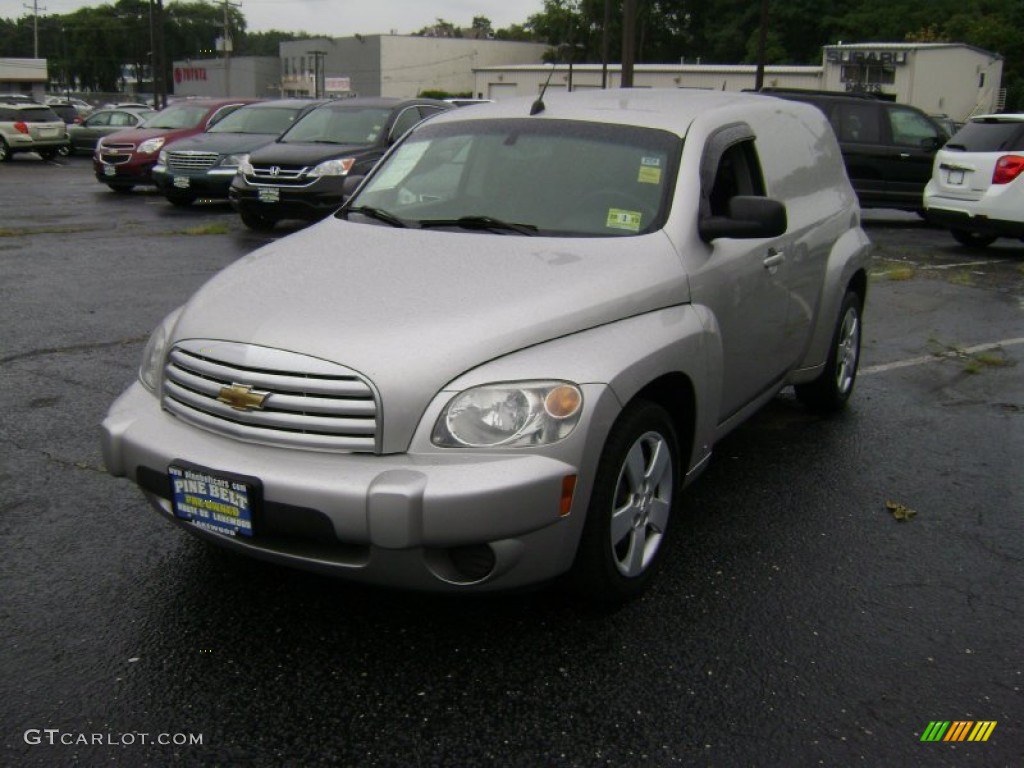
{"points": [[27, 76], [394, 65], [948, 78], [940, 78]]}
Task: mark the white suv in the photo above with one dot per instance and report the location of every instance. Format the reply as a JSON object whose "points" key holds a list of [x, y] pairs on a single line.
{"points": [[977, 185]]}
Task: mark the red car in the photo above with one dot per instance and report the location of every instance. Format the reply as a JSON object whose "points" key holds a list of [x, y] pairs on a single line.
{"points": [[123, 160]]}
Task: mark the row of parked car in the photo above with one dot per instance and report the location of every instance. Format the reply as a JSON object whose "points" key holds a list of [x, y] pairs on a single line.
{"points": [[290, 158], [274, 160]]}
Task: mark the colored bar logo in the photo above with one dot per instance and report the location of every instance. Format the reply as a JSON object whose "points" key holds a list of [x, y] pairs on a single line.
{"points": [[958, 730]]}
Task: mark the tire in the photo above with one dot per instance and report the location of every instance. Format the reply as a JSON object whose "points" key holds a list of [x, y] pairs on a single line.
{"points": [[624, 536], [65, 151], [972, 239], [257, 222], [832, 389], [5, 152], [48, 154]]}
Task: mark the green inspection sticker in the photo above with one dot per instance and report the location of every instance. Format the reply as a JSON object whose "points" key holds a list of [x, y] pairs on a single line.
{"points": [[621, 219]]}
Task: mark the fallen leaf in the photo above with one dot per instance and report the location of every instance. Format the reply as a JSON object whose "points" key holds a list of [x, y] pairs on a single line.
{"points": [[900, 511]]}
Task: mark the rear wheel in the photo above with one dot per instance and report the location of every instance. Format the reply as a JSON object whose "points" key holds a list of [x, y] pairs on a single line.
{"points": [[48, 154], [623, 538], [257, 222], [5, 151], [972, 239], [834, 385]]}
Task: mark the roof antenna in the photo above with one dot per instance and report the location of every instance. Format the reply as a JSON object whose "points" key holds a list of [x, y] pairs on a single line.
{"points": [[538, 106]]}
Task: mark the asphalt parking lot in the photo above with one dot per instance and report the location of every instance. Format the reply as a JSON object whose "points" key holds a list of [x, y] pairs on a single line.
{"points": [[836, 585]]}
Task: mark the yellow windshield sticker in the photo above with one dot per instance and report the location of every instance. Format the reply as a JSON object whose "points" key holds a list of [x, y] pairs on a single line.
{"points": [[650, 170], [621, 219], [649, 175]]}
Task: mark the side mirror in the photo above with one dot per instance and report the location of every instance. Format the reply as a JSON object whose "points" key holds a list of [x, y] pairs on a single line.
{"points": [[749, 218]]}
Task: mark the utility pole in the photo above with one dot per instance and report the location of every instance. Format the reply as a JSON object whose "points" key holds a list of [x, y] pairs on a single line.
{"points": [[604, 42], [318, 57], [628, 42], [156, 44], [227, 46], [762, 45], [35, 26]]}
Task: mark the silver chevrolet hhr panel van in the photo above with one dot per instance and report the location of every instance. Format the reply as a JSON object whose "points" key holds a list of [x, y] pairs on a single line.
{"points": [[505, 357]]}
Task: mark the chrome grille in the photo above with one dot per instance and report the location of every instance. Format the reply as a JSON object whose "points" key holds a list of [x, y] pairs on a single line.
{"points": [[279, 175], [309, 403], [191, 161]]}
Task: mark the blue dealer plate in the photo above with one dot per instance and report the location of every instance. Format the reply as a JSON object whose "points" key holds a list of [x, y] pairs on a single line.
{"points": [[213, 501]]}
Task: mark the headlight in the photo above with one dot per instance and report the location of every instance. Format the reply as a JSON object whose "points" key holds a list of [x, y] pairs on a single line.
{"points": [[149, 146], [153, 354], [516, 414], [234, 161], [334, 167]]}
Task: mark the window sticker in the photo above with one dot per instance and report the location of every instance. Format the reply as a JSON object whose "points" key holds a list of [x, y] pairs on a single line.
{"points": [[650, 170], [622, 219]]}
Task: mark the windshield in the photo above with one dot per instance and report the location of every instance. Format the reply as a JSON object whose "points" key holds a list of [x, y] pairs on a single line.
{"points": [[183, 116], [265, 120], [526, 176], [339, 125]]}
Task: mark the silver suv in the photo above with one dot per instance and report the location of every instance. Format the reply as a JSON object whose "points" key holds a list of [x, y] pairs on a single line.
{"points": [[30, 127], [977, 184], [505, 357]]}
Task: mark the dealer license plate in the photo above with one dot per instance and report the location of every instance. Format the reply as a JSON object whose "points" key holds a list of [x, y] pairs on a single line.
{"points": [[213, 501], [182, 182], [269, 194], [955, 177]]}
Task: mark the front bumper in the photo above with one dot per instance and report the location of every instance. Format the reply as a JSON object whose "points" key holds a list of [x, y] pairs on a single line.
{"points": [[212, 183], [436, 521], [311, 203], [124, 173]]}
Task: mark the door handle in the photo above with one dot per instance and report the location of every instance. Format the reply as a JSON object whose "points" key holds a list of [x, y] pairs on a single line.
{"points": [[773, 259]]}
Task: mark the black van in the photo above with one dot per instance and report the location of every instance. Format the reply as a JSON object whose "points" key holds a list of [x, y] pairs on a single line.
{"points": [[888, 147]]}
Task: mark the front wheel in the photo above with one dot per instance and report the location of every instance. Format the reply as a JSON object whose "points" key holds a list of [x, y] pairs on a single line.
{"points": [[624, 535], [257, 222], [834, 385], [972, 239]]}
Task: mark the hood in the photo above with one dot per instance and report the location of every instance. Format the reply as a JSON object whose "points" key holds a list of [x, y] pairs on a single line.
{"points": [[223, 143], [139, 135], [280, 153], [413, 309]]}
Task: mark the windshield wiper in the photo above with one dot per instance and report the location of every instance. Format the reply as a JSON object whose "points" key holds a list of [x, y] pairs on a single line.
{"points": [[377, 213], [481, 222]]}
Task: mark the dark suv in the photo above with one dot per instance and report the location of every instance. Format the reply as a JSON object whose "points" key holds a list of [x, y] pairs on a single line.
{"points": [[888, 148], [301, 175]]}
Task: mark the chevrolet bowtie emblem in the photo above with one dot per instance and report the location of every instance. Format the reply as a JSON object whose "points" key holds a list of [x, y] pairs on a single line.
{"points": [[242, 398]]}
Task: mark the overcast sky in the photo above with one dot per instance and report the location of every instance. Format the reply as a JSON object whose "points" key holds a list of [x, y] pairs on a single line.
{"points": [[334, 18]]}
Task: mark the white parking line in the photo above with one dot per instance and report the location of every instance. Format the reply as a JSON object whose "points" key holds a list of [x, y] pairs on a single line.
{"points": [[881, 368]]}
